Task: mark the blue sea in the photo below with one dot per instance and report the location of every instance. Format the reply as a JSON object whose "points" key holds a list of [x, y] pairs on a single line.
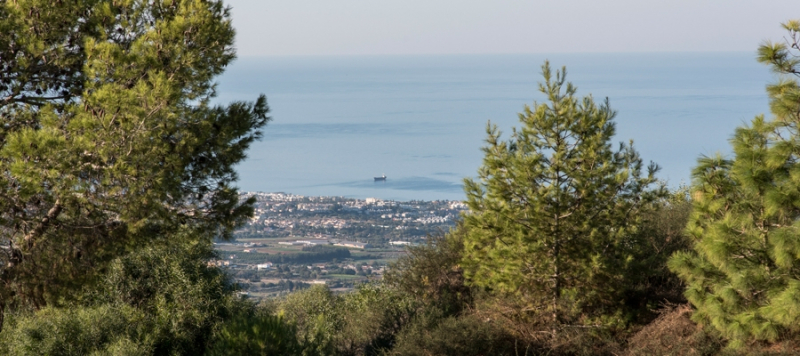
{"points": [[420, 120]]}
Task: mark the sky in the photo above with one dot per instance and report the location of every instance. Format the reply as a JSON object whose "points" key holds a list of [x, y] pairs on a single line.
{"points": [[440, 27]]}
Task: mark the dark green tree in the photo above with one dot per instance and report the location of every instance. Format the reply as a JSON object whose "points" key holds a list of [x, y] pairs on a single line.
{"points": [[743, 275], [554, 212], [365, 321], [108, 138], [650, 284], [256, 333], [161, 299], [431, 274]]}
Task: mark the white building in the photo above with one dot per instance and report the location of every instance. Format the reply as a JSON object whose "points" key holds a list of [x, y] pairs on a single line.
{"points": [[351, 244], [314, 242]]}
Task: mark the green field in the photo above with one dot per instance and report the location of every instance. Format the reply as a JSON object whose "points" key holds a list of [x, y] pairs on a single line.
{"points": [[346, 277]]}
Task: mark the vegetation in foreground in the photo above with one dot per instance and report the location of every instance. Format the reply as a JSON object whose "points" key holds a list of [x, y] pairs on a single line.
{"points": [[118, 176]]}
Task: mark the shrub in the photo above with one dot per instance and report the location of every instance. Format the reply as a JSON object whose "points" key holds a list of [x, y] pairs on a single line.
{"points": [[102, 330], [184, 300], [256, 333], [464, 335], [431, 273], [316, 313]]}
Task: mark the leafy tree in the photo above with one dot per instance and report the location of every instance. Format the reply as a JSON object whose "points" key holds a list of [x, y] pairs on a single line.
{"points": [[318, 316], [743, 275], [554, 213], [431, 273], [108, 138], [256, 332], [159, 300], [463, 335], [183, 301], [373, 316], [649, 283], [101, 330], [363, 322]]}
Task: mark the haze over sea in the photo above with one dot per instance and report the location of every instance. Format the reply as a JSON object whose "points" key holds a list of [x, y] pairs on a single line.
{"points": [[420, 120]]}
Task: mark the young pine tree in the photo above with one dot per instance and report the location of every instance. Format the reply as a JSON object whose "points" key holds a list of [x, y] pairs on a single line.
{"points": [[743, 276], [553, 215]]}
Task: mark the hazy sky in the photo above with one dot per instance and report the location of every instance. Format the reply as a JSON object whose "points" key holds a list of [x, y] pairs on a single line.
{"points": [[357, 27]]}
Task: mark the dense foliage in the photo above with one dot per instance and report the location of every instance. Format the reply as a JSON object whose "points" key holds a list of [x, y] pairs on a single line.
{"points": [[161, 299], [743, 275], [254, 331], [432, 275], [117, 175], [107, 138], [555, 211]]}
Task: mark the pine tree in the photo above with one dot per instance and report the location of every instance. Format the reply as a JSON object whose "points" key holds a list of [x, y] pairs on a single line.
{"points": [[743, 275], [108, 138], [553, 216]]}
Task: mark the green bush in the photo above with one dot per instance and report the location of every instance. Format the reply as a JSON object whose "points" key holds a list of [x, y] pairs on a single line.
{"points": [[373, 315], [103, 330], [465, 336], [184, 299], [256, 333], [363, 322], [661, 234], [160, 300], [316, 312], [431, 273]]}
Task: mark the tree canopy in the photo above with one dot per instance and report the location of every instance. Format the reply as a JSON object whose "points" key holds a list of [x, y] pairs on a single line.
{"points": [[553, 214], [743, 275], [108, 137]]}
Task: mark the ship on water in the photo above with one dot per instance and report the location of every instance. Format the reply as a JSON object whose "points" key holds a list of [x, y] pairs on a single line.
{"points": [[381, 178]]}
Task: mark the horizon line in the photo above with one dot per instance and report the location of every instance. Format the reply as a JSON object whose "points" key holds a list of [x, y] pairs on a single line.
{"points": [[486, 54]]}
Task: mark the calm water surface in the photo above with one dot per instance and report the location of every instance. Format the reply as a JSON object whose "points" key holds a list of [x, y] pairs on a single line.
{"points": [[420, 120]]}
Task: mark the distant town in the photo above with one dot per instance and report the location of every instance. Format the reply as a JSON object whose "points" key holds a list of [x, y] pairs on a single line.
{"points": [[294, 241], [373, 221]]}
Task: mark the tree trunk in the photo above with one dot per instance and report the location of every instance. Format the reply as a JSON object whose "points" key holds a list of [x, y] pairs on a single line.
{"points": [[29, 240], [556, 286], [2, 313], [52, 214]]}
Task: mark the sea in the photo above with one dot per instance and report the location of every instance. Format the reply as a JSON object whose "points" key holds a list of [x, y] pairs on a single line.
{"points": [[339, 121]]}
